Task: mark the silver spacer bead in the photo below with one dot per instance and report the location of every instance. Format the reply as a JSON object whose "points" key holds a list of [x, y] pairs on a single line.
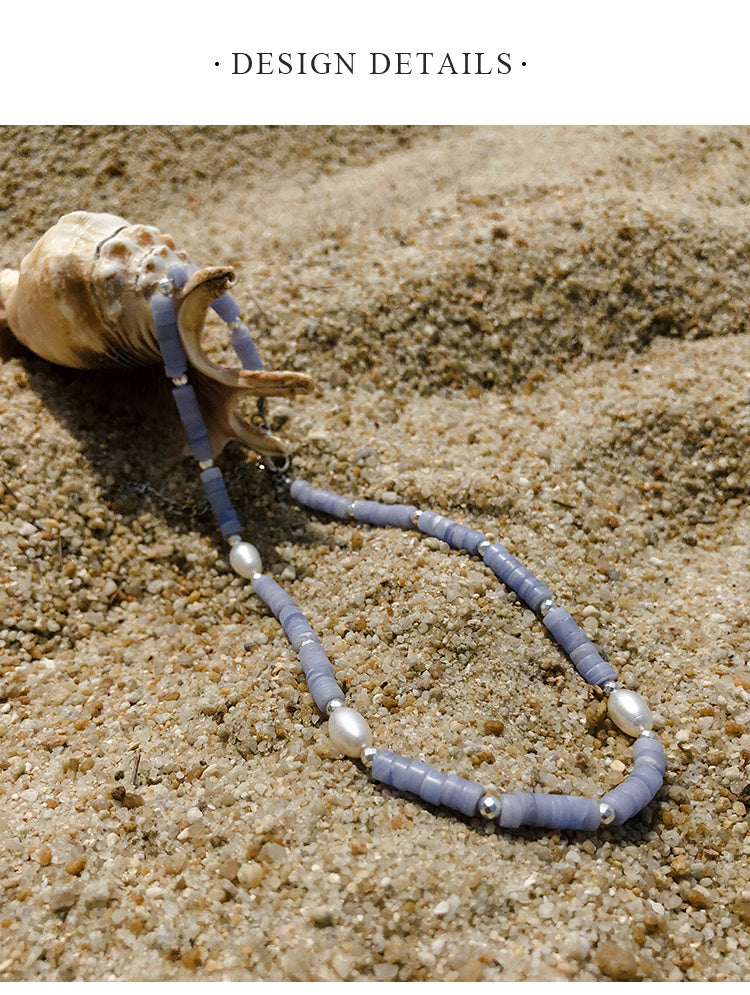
{"points": [[179, 381], [368, 755], [483, 546], [546, 607], [415, 516], [165, 286], [610, 686], [234, 325], [489, 807], [334, 704], [648, 734], [205, 464], [606, 813], [233, 540], [350, 509]]}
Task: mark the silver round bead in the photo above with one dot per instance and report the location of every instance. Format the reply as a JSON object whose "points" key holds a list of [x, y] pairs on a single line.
{"points": [[165, 286], [245, 560], [179, 381], [648, 734], [546, 606], [333, 704], [606, 813], [609, 686], [489, 807], [234, 325], [415, 516], [368, 755], [483, 546], [205, 464]]}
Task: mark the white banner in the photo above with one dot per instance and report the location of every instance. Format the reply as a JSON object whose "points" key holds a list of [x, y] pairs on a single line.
{"points": [[395, 61]]}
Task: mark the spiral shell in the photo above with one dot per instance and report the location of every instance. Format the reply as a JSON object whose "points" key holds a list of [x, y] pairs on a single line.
{"points": [[81, 298]]}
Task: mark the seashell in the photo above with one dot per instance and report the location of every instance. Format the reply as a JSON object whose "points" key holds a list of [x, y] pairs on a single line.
{"points": [[81, 298]]}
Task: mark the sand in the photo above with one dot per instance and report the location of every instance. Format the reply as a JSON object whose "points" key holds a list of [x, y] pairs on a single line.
{"points": [[539, 332]]}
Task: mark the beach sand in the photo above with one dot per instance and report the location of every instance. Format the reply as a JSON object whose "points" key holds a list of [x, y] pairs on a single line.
{"points": [[538, 332]]}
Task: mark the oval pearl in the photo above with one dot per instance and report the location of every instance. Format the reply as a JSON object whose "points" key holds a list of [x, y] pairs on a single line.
{"points": [[349, 731], [244, 559], [629, 712]]}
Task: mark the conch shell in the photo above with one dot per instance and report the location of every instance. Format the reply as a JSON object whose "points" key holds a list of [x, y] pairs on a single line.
{"points": [[81, 298]]}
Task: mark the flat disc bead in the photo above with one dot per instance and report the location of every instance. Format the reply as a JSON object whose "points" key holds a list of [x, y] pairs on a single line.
{"points": [[244, 559], [349, 731], [629, 712]]}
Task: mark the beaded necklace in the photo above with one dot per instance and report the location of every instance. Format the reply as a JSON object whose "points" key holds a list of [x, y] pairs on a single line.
{"points": [[347, 728]]}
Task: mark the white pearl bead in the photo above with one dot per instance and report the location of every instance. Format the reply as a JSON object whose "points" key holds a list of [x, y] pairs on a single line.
{"points": [[244, 559], [629, 712], [349, 731]]}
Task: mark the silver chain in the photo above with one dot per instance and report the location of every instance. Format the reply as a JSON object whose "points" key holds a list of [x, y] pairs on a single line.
{"points": [[200, 509]]}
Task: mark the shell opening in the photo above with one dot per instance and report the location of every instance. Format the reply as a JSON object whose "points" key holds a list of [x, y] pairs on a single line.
{"points": [[220, 390]]}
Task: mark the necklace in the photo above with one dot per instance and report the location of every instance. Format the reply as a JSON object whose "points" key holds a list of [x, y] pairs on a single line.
{"points": [[347, 728]]}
